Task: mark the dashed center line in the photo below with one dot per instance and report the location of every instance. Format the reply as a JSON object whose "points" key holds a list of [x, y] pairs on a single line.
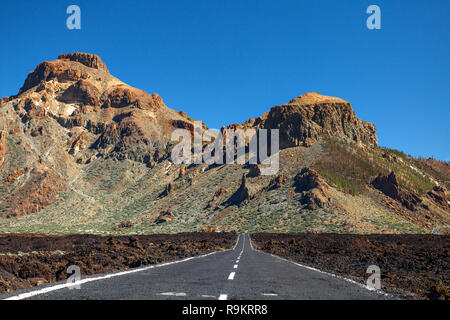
{"points": [[223, 297], [231, 276], [235, 266]]}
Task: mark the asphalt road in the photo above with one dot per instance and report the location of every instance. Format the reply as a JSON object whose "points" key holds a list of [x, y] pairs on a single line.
{"points": [[240, 273]]}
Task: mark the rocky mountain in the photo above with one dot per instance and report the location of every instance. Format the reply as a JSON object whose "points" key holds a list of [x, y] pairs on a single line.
{"points": [[81, 151]]}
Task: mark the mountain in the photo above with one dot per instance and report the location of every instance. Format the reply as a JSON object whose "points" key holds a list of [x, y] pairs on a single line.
{"points": [[83, 152]]}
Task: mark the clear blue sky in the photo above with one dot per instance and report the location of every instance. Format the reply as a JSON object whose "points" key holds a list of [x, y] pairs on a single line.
{"points": [[224, 61]]}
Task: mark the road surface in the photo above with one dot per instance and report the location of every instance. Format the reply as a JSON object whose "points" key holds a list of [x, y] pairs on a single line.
{"points": [[239, 273]]}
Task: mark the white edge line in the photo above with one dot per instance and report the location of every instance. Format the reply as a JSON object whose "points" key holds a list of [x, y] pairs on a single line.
{"points": [[323, 272], [111, 275]]}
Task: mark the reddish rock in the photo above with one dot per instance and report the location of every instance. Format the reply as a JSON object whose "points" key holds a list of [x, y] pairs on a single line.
{"points": [[164, 216], [438, 195], [40, 190], [304, 119], [169, 189], [389, 186], [81, 92], [16, 173], [182, 171], [87, 59], [313, 188], [125, 224], [277, 182]]}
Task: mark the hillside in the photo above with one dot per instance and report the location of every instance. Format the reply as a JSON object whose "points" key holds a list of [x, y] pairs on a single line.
{"points": [[83, 152]]}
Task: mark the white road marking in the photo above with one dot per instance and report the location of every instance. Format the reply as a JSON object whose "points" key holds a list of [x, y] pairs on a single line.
{"points": [[223, 297], [269, 294], [176, 294], [235, 266], [208, 296], [107, 276], [231, 276]]}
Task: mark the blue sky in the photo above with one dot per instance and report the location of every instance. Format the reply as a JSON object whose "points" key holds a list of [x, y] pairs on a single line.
{"points": [[224, 61]]}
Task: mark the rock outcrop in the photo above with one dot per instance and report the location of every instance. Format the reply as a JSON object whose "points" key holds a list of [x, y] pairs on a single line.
{"points": [[242, 194], [313, 188], [277, 182], [164, 216], [304, 119], [439, 195], [255, 171], [87, 59], [168, 190], [389, 186], [41, 189]]}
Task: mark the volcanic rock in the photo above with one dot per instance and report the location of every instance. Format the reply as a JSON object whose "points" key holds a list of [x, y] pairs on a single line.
{"points": [[389, 186], [242, 194], [169, 189], [164, 216], [81, 92], [88, 59], [41, 189], [304, 119], [313, 188], [255, 171], [438, 195], [277, 182]]}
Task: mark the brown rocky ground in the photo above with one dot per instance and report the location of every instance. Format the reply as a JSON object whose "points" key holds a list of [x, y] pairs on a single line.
{"points": [[27, 260], [412, 266]]}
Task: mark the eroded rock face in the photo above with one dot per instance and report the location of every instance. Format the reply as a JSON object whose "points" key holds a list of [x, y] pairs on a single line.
{"points": [[82, 92], [40, 190], [255, 171], [88, 59], [2, 146], [389, 186], [278, 182], [121, 122], [164, 216], [438, 195], [242, 194], [168, 190], [313, 188], [304, 119]]}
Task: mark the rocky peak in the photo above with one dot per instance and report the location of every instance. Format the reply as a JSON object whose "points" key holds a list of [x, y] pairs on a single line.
{"points": [[311, 98], [305, 118], [88, 59]]}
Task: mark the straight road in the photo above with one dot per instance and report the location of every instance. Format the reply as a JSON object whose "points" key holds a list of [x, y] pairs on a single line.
{"points": [[236, 274]]}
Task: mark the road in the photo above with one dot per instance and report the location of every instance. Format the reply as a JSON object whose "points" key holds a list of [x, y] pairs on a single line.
{"points": [[236, 274]]}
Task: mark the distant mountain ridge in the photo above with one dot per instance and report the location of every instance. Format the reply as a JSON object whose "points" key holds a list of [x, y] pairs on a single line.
{"points": [[81, 151]]}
